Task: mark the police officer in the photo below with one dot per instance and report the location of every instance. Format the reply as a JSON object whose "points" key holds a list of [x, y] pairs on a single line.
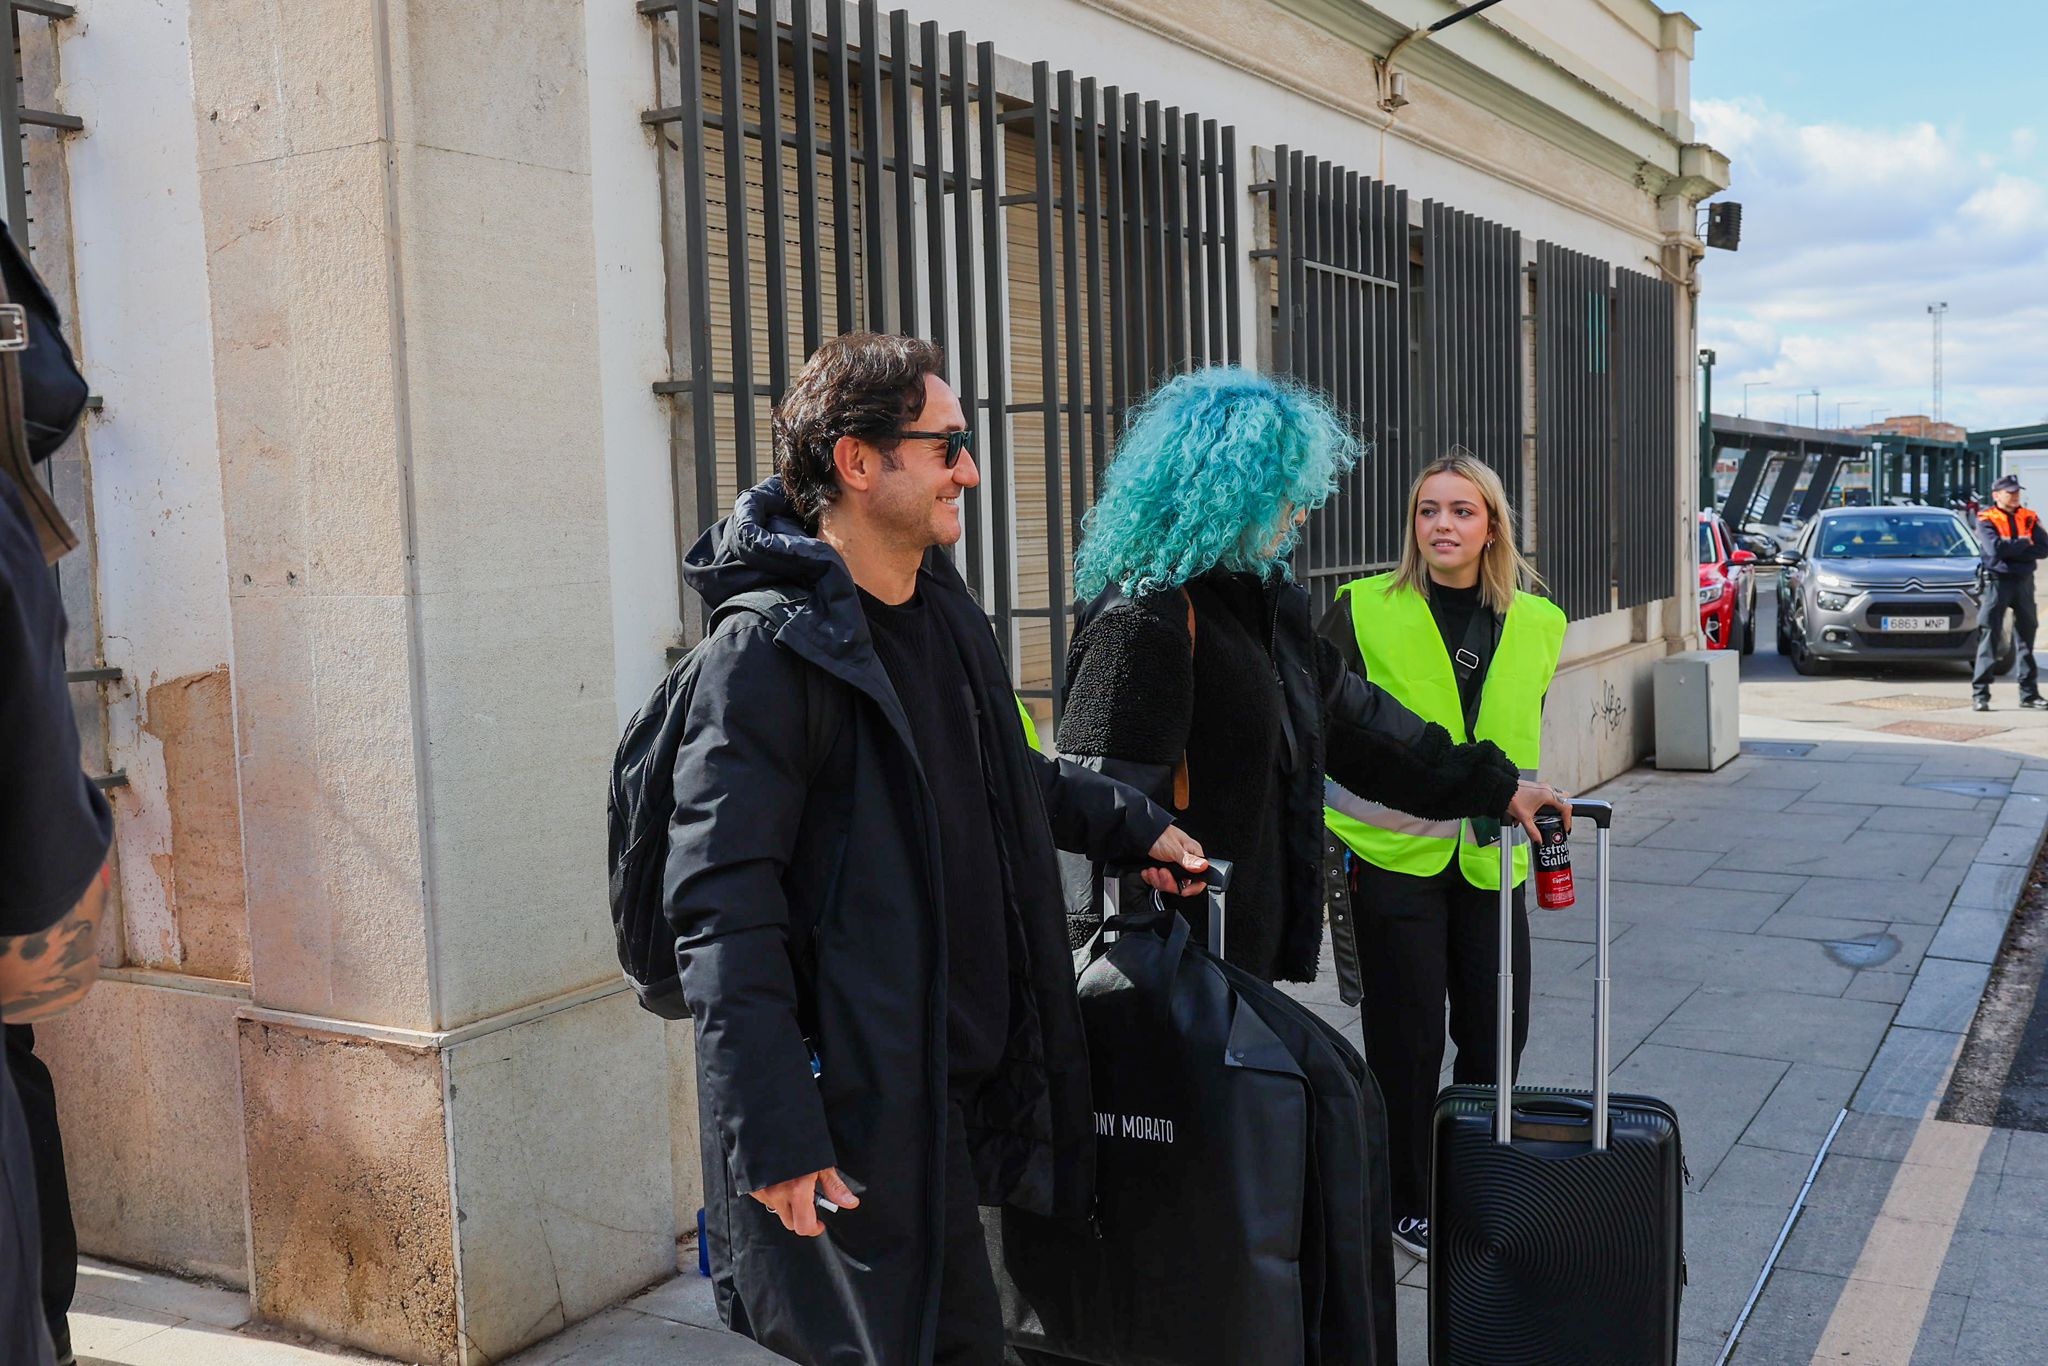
{"points": [[2011, 539]]}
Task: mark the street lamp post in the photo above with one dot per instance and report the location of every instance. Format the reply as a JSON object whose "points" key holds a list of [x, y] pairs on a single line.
{"points": [[1706, 448], [1936, 312]]}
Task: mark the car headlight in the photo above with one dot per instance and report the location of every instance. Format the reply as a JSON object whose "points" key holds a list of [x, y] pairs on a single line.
{"points": [[1712, 592], [1829, 581], [1831, 602]]}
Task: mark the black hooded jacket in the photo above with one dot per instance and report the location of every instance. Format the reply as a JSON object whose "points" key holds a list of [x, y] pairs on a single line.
{"points": [[1261, 707], [803, 890]]}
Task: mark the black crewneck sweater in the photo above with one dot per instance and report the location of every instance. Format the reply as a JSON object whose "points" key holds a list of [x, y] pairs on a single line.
{"points": [[923, 663]]}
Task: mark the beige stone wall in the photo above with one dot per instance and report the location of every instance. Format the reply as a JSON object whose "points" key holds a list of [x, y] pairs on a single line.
{"points": [[351, 1230], [311, 454], [413, 1111], [383, 812], [147, 1084], [505, 430], [560, 1129]]}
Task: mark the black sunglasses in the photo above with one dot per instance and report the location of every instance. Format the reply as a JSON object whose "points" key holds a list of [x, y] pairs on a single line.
{"points": [[956, 442]]}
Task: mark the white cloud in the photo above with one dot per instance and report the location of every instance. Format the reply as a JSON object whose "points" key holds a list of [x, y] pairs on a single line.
{"points": [[1730, 125], [2011, 205], [1848, 234]]}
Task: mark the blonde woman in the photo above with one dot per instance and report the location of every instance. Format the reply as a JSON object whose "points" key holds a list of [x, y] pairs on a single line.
{"points": [[1453, 635]]}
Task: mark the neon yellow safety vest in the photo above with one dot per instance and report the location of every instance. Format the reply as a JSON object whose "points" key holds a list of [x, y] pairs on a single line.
{"points": [[1030, 727], [1405, 654]]}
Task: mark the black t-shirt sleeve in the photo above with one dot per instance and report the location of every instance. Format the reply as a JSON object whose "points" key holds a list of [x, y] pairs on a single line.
{"points": [[54, 825]]}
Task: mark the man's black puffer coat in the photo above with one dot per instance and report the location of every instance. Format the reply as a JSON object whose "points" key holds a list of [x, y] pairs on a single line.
{"points": [[802, 889], [1262, 708]]}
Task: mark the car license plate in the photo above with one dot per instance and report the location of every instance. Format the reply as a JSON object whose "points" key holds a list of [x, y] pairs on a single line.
{"points": [[1912, 623]]}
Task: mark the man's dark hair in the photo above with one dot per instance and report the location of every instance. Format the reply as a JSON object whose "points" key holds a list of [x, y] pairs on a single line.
{"points": [[860, 384]]}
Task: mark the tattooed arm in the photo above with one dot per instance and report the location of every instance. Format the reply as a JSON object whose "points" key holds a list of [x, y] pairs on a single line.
{"points": [[46, 973]]}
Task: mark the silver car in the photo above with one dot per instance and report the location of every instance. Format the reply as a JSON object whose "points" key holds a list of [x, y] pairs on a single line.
{"points": [[1888, 585]]}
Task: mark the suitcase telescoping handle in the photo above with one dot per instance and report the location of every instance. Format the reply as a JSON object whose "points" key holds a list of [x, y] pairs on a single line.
{"points": [[1602, 816], [1217, 878]]}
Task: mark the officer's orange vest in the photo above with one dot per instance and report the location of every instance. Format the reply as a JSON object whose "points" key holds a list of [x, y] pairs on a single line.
{"points": [[2016, 525]]}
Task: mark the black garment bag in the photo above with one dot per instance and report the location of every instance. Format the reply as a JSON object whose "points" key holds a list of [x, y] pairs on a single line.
{"points": [[1237, 1175], [1555, 1215]]}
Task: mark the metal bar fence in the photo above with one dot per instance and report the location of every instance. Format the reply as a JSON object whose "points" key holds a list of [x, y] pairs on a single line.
{"points": [[1471, 341], [1574, 451], [15, 115], [1645, 399], [1338, 281], [1088, 251], [1079, 281]]}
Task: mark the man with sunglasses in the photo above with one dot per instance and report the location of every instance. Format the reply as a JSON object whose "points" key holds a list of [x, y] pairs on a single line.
{"points": [[861, 877]]}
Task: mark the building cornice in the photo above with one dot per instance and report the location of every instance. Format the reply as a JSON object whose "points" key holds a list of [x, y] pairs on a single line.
{"points": [[1495, 68], [1516, 82]]}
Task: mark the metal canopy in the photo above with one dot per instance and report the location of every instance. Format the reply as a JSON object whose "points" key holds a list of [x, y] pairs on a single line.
{"points": [[1900, 465]]}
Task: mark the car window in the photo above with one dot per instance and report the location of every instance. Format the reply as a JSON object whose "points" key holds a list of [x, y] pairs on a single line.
{"points": [[1708, 555], [1900, 535]]}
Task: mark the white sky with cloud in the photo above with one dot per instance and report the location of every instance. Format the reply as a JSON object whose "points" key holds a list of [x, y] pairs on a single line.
{"points": [[1858, 215]]}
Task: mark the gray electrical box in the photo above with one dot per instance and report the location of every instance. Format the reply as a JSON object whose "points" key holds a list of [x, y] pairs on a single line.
{"points": [[1698, 709]]}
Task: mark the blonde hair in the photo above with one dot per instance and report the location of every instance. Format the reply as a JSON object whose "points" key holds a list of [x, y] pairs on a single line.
{"points": [[1502, 568]]}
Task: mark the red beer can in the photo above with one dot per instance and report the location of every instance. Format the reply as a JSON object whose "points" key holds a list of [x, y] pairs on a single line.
{"points": [[1553, 864]]}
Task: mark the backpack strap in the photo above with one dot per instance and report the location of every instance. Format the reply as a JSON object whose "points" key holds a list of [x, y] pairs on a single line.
{"points": [[52, 531], [1180, 770]]}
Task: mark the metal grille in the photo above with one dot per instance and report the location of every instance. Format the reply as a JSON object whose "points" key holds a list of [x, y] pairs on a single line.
{"points": [[1008, 227], [1340, 297], [14, 114], [1471, 392], [1645, 399], [1574, 512]]}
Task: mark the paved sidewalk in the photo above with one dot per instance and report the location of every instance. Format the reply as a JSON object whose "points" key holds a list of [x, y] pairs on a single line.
{"points": [[1806, 930]]}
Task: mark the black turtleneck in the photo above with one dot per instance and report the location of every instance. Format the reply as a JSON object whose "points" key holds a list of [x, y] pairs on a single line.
{"points": [[1454, 610]]}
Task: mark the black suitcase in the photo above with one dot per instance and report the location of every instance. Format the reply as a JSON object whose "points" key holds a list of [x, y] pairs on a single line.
{"points": [[1555, 1224], [1235, 1176]]}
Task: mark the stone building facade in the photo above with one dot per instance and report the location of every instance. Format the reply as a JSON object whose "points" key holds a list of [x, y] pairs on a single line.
{"points": [[383, 501]]}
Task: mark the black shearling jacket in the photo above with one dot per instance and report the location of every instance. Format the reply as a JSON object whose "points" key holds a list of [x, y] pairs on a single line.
{"points": [[1261, 707]]}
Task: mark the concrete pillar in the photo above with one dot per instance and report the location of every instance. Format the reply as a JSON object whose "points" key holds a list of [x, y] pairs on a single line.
{"points": [[457, 1127], [368, 1051]]}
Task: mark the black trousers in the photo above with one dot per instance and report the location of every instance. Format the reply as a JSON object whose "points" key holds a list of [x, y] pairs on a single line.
{"points": [[2016, 595], [1421, 939], [53, 1196], [970, 1329]]}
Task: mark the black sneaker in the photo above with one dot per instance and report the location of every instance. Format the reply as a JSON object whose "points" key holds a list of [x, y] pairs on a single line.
{"points": [[2034, 703], [1981, 704], [1412, 1235]]}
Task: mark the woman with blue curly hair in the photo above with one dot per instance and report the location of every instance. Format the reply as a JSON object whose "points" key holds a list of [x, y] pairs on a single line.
{"points": [[1196, 674]]}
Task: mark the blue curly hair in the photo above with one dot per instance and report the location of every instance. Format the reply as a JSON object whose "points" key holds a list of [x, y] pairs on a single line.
{"points": [[1207, 475]]}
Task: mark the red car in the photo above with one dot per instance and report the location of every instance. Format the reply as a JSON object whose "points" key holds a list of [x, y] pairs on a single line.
{"points": [[1727, 588]]}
